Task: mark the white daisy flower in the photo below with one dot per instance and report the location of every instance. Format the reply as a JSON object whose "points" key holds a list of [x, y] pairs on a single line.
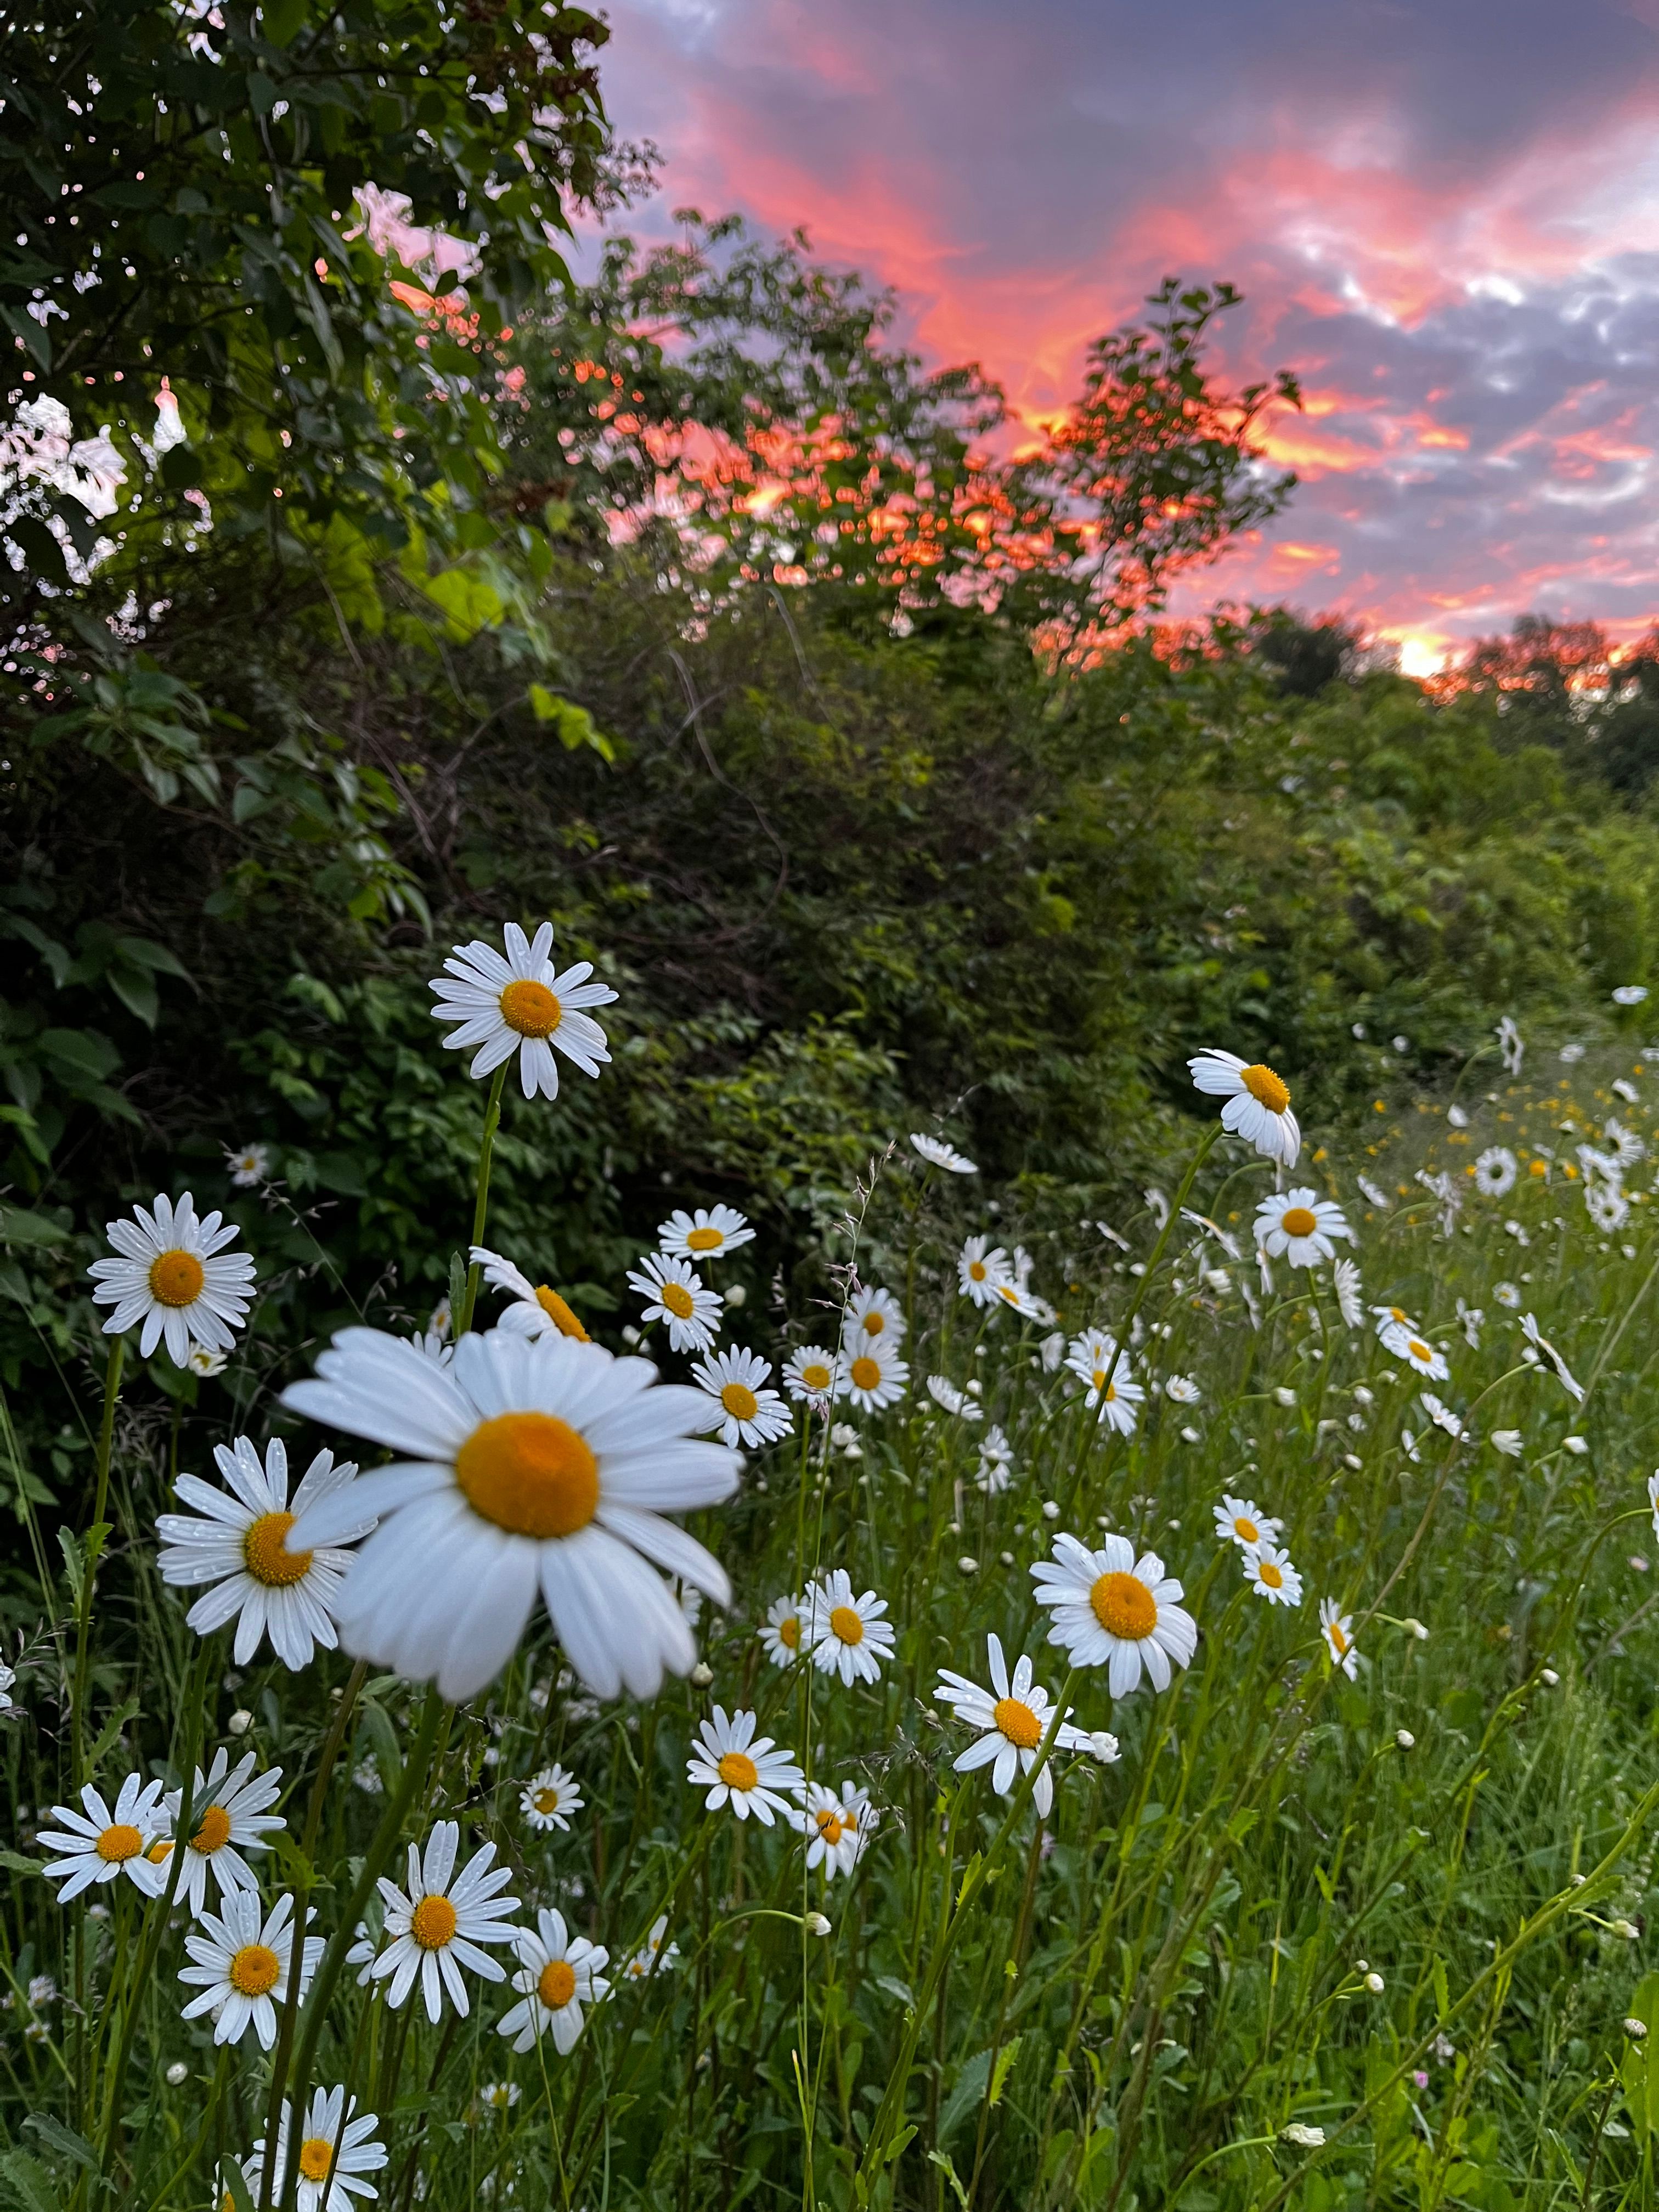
{"points": [[650, 1955], [939, 1154], [1013, 1716], [1628, 1147], [1495, 1171], [548, 1799], [1511, 1047], [1653, 1497], [1510, 1441], [241, 1546], [1271, 1572], [200, 1361], [996, 1460], [241, 1962], [846, 1634], [675, 1292], [1570, 1054], [361, 1953], [1345, 1277], [435, 1928], [535, 1310], [743, 1411], [500, 2096], [1241, 1520], [812, 1376], [1630, 995], [1389, 1317], [1472, 1317], [1420, 1356], [1298, 1226], [1258, 1107], [1104, 1746], [558, 1974], [870, 1314], [741, 1770], [1507, 1294], [1020, 1301], [249, 1166], [97, 1843], [1181, 1390], [1373, 1191], [1337, 1629], [836, 1827], [172, 1272], [550, 1463], [1115, 1611], [230, 1807], [1094, 1357], [708, 1234], [1530, 1330], [1606, 1206], [520, 1003], [982, 1269], [877, 1377], [945, 1395], [331, 2142], [1442, 1415], [781, 1632]]}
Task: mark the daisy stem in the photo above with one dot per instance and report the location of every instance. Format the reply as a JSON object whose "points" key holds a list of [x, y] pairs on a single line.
{"points": [[94, 1542], [481, 1204], [328, 1973]]}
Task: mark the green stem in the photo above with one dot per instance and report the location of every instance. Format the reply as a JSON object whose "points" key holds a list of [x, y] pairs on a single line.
{"points": [[481, 1204], [94, 1545]]}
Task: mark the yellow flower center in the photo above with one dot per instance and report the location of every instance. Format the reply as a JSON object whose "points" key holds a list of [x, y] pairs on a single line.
{"points": [[830, 1825], [531, 1473], [531, 1009], [704, 1240], [1298, 1221], [556, 1983], [815, 1376], [1339, 1641], [1247, 1531], [1418, 1349], [1270, 1574], [255, 1970], [740, 1401], [265, 1550], [1124, 1606], [866, 1374], [1399, 1314], [214, 1831], [977, 1270], [546, 1799], [120, 1844], [873, 1324], [1538, 1168], [559, 1314], [737, 1770], [432, 1923], [679, 1301], [1018, 1722], [316, 2156], [845, 1624], [176, 1279], [789, 1632], [160, 1851], [1267, 1089]]}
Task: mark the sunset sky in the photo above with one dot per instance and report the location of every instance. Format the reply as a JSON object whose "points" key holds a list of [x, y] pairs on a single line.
{"points": [[1445, 217]]}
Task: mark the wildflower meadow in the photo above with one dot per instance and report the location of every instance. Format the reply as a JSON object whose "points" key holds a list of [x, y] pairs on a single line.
{"points": [[1155, 1716]]}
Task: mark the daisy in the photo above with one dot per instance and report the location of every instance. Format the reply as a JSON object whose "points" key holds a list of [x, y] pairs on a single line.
{"points": [[1388, 1317], [1012, 1717], [1507, 1294], [945, 1395], [650, 1955], [1511, 1048], [846, 1636], [742, 1770], [558, 1974], [241, 1548], [983, 1273], [332, 2143], [742, 1412], [1653, 1497], [548, 1799], [1270, 1570], [836, 1828], [436, 1927], [939, 1154], [249, 1166], [97, 1843], [1298, 1226], [1606, 1206], [708, 1234], [520, 1004], [1628, 1147], [1115, 1611], [675, 1292], [1021, 1301], [1630, 995], [1530, 1330], [1442, 1415], [172, 1271], [1181, 1390], [1373, 1191], [1495, 1171], [535, 1310], [1241, 1520], [996, 1460], [1337, 1629], [1422, 1358], [241, 1964], [782, 1634], [876, 1376], [812, 1376], [871, 1314], [1258, 1107], [201, 1361], [550, 1463], [1472, 1318], [229, 1807]]}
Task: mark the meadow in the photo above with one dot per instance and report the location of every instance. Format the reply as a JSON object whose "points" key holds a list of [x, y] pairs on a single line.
{"points": [[1160, 1716]]}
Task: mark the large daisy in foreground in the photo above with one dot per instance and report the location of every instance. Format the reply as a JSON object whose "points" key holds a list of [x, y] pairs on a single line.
{"points": [[172, 1272], [524, 1465], [1113, 1610], [521, 1004]]}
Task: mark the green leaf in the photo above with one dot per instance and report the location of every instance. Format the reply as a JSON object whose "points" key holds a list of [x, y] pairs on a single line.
{"points": [[280, 20], [63, 2139], [235, 2181], [1442, 1994], [1006, 2058], [28, 2183], [941, 2159], [112, 1727], [18, 1226], [15, 1863]]}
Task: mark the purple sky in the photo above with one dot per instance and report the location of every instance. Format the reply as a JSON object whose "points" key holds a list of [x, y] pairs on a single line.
{"points": [[1445, 217]]}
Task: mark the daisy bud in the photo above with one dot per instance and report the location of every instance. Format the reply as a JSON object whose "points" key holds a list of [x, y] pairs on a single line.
{"points": [[968, 1566], [1305, 2137], [1190, 1436], [1374, 1983], [1626, 1929], [701, 1676], [735, 1294], [817, 1924], [1352, 1459], [239, 1722], [1285, 1397], [1636, 2029], [1550, 1677], [1415, 1628], [1406, 1740], [1050, 1510], [1579, 1879], [179, 2071]]}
